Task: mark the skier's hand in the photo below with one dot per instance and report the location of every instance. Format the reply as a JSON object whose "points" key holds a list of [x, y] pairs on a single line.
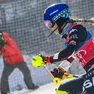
{"points": [[37, 61], [47, 59], [40, 60], [57, 73]]}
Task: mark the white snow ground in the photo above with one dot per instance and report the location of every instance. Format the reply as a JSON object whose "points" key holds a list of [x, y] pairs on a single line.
{"points": [[46, 89]]}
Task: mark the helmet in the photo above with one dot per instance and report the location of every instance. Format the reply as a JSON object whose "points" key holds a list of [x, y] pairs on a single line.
{"points": [[54, 12]]}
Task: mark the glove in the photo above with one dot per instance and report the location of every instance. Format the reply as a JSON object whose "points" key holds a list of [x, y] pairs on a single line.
{"points": [[37, 61], [57, 73], [40, 60], [47, 59]]}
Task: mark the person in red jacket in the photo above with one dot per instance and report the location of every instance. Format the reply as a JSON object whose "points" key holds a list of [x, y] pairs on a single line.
{"points": [[13, 59]]}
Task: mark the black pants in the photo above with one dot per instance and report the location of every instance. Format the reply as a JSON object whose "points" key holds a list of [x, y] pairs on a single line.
{"points": [[88, 84], [84, 85], [72, 87], [8, 69]]}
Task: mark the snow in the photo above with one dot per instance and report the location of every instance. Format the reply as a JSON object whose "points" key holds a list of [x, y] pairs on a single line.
{"points": [[45, 89]]}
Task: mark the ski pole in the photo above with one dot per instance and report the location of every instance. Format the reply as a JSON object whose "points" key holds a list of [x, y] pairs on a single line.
{"points": [[51, 75], [57, 80]]}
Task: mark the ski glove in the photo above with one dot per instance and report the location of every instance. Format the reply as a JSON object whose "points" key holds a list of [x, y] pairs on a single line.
{"points": [[47, 59], [40, 60]]}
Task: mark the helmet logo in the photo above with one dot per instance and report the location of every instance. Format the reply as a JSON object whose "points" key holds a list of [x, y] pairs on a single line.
{"points": [[53, 12], [64, 14]]}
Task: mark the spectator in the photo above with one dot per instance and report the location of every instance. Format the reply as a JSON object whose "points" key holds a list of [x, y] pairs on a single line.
{"points": [[13, 58]]}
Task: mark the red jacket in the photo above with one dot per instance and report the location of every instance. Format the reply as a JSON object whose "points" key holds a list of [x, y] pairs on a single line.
{"points": [[10, 51]]}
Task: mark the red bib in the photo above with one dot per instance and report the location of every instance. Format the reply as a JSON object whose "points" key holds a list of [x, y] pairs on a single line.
{"points": [[86, 52]]}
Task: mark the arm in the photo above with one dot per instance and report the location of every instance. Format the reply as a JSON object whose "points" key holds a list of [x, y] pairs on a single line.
{"points": [[77, 36]]}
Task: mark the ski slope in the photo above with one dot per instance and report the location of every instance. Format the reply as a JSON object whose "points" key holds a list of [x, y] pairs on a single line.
{"points": [[46, 89]]}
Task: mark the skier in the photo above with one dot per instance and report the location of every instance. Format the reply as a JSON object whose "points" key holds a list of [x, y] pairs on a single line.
{"points": [[12, 58], [79, 42]]}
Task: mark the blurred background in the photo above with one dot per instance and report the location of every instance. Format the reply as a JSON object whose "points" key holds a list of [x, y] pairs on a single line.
{"points": [[23, 20]]}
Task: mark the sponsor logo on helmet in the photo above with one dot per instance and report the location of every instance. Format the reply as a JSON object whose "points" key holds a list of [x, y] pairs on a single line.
{"points": [[53, 12], [64, 14]]}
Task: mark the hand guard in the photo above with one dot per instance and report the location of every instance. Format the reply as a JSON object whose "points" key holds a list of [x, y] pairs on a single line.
{"points": [[37, 61]]}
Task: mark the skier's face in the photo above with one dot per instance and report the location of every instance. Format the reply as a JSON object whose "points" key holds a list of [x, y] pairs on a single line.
{"points": [[51, 26], [55, 28]]}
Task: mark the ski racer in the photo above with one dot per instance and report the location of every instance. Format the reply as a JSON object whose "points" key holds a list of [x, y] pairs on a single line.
{"points": [[79, 42]]}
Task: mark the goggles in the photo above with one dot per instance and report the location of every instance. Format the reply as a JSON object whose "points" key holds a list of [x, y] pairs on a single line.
{"points": [[48, 24]]}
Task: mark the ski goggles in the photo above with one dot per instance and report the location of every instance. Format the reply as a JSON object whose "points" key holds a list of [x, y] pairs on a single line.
{"points": [[48, 24]]}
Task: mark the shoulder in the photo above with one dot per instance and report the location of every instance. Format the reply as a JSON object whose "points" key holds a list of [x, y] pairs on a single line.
{"points": [[77, 28]]}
